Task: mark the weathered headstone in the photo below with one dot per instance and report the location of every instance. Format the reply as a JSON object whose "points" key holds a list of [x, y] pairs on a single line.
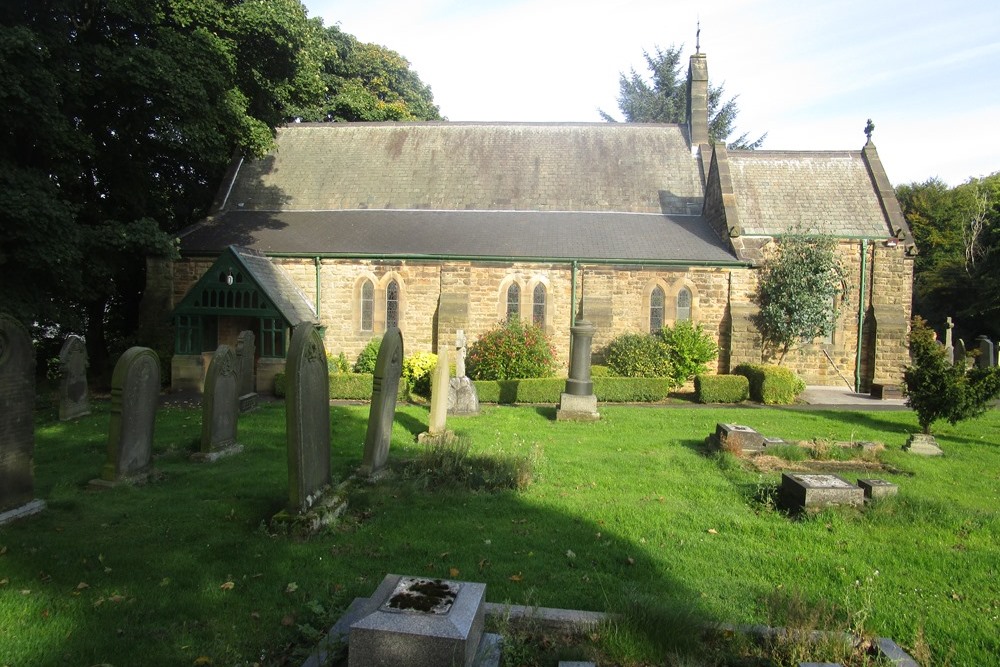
{"points": [[73, 396], [807, 492], [463, 399], [923, 444], [307, 418], [385, 386], [877, 488], [220, 408], [419, 622], [135, 393], [739, 438], [17, 422], [246, 359], [578, 402], [949, 346], [439, 395], [961, 354], [986, 358]]}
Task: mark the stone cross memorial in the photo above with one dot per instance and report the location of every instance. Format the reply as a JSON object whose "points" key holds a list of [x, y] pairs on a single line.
{"points": [[385, 386], [307, 418], [246, 357], [135, 393], [220, 408], [17, 422], [463, 399], [73, 399]]}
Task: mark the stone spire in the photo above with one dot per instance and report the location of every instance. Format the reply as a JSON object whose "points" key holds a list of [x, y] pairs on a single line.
{"points": [[697, 99]]}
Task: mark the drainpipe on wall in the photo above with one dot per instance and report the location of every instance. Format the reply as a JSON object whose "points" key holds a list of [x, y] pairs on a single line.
{"points": [[572, 295], [317, 262], [861, 316]]}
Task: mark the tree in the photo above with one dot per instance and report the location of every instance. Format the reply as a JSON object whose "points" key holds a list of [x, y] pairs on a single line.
{"points": [[797, 290], [663, 99], [937, 389]]}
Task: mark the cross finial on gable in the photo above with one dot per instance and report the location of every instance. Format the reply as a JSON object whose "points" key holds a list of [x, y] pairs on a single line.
{"points": [[869, 129], [697, 38]]}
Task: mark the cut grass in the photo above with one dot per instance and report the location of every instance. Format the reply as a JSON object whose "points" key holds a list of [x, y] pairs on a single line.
{"points": [[181, 568]]}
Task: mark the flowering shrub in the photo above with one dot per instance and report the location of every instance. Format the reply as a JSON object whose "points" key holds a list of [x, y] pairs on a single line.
{"points": [[368, 357], [512, 350], [417, 371]]}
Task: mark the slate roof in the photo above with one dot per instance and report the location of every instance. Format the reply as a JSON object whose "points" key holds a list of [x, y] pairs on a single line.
{"points": [[497, 234], [828, 193], [645, 167]]}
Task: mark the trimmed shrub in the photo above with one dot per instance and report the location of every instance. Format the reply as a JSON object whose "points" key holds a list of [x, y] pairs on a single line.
{"points": [[771, 385], [343, 386], [638, 355], [598, 371], [512, 350], [549, 390], [366, 360], [632, 390], [689, 350], [721, 388], [417, 371]]}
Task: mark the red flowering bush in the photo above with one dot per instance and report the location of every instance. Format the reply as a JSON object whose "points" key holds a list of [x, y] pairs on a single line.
{"points": [[510, 351]]}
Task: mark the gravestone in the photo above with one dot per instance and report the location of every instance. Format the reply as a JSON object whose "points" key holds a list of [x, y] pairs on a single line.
{"points": [[923, 444], [578, 402], [986, 358], [740, 438], [73, 396], [307, 418], [385, 386], [246, 358], [220, 408], [809, 492], [135, 393], [463, 399], [949, 346], [420, 622], [962, 354], [440, 388], [17, 422], [877, 488]]}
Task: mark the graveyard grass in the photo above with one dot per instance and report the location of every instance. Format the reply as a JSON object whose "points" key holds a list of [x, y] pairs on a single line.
{"points": [[629, 514]]}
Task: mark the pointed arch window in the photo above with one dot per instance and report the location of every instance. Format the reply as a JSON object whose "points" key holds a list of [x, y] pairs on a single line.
{"points": [[684, 304], [513, 301], [392, 304], [367, 306], [656, 300], [538, 306]]}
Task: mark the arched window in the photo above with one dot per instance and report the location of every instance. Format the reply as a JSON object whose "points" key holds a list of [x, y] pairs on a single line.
{"points": [[684, 304], [656, 310], [367, 306], [392, 304], [513, 301], [538, 306]]}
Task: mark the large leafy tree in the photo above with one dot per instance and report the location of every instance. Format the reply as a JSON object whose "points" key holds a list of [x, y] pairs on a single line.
{"points": [[662, 98], [797, 290], [957, 272]]}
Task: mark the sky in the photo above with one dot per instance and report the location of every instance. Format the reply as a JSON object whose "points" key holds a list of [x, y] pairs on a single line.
{"points": [[808, 73]]}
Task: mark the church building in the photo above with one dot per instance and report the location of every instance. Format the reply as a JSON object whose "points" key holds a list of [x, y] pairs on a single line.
{"points": [[440, 226]]}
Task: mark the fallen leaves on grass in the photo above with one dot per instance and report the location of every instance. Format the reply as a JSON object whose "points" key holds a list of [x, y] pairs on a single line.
{"points": [[453, 572], [228, 586], [713, 531], [291, 587], [516, 577]]}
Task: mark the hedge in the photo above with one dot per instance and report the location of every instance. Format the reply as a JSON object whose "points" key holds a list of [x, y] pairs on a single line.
{"points": [[771, 385], [721, 388], [549, 390], [344, 386]]}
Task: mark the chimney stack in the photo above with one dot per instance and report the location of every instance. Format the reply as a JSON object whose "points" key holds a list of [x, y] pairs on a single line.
{"points": [[697, 100]]}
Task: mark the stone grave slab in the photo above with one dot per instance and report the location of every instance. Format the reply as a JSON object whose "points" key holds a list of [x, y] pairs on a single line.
{"points": [[577, 408], [800, 491], [734, 437], [74, 398], [220, 408], [419, 622], [923, 444], [385, 387], [877, 488]]}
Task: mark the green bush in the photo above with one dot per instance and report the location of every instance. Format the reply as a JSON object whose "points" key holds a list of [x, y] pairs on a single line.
{"points": [[366, 360], [771, 385], [343, 386], [721, 388], [632, 390], [598, 371], [417, 371], [549, 390], [638, 355], [512, 350], [689, 350], [337, 364]]}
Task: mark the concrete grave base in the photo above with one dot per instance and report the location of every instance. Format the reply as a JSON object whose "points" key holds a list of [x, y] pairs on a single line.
{"points": [[923, 444], [322, 513], [443, 438], [877, 488], [812, 492], [248, 402], [23, 512], [737, 437], [132, 480], [577, 408], [216, 454]]}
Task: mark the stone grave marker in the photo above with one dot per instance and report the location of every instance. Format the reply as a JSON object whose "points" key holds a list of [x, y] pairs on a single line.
{"points": [[385, 386], [923, 444], [74, 400], [307, 418], [463, 399], [949, 346], [987, 357], [811, 491], [877, 488], [737, 437], [135, 393], [220, 408], [578, 402], [17, 422], [246, 357], [437, 423], [420, 622], [961, 354]]}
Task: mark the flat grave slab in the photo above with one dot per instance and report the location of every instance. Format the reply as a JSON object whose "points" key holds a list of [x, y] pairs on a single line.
{"points": [[877, 488], [811, 491], [739, 437]]}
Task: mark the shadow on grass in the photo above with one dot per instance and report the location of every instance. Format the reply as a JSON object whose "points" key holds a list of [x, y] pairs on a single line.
{"points": [[181, 569]]}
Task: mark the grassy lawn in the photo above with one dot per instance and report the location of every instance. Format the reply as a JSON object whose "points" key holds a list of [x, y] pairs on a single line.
{"points": [[628, 514]]}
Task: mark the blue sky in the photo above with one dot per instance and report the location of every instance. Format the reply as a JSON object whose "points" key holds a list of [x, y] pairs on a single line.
{"points": [[807, 73]]}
